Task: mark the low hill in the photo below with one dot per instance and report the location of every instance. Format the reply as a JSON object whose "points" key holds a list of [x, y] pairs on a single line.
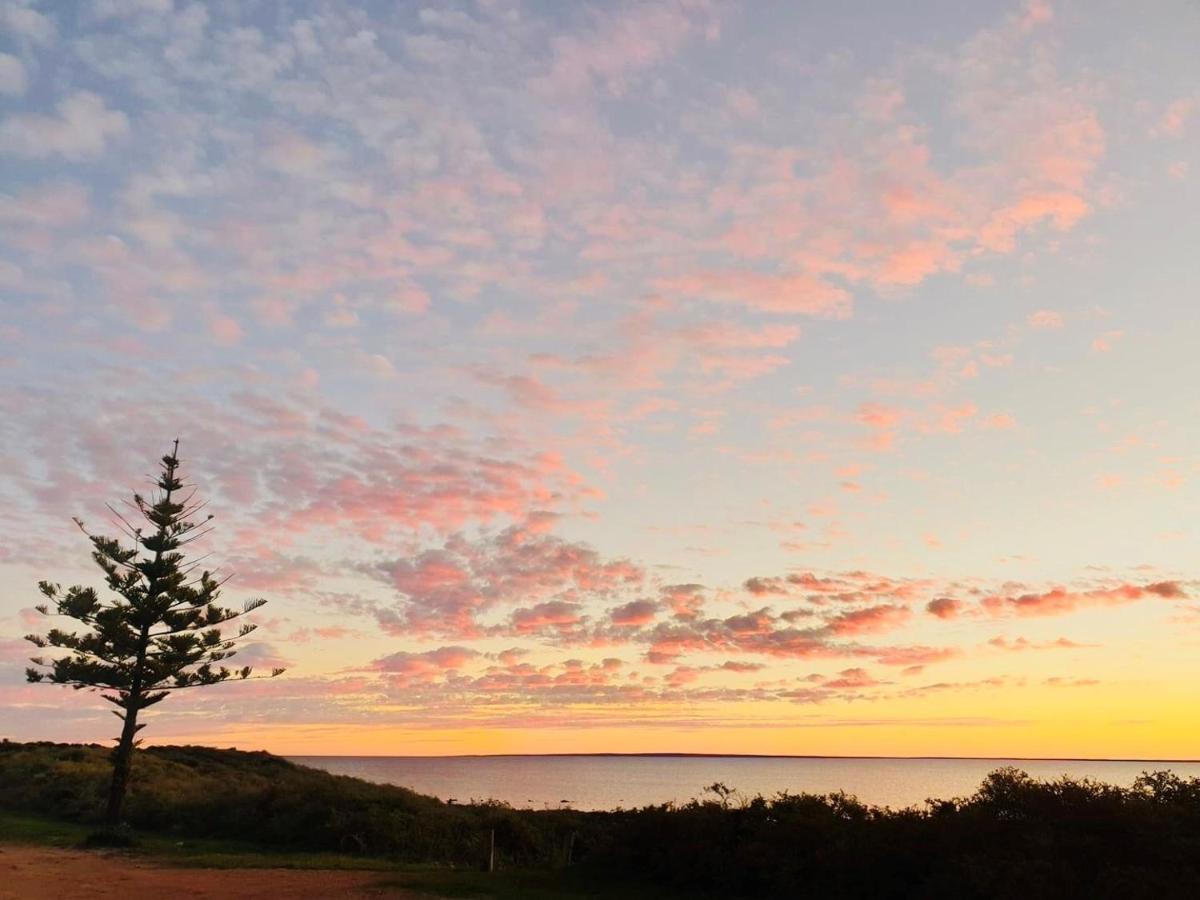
{"points": [[204, 792]]}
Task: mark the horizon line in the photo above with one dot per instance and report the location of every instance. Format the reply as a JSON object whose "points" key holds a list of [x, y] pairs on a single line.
{"points": [[684, 755]]}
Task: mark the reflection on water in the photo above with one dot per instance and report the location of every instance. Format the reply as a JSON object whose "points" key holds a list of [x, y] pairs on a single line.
{"points": [[606, 782]]}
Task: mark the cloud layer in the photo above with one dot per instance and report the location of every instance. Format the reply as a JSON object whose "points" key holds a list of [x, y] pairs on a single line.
{"points": [[606, 362]]}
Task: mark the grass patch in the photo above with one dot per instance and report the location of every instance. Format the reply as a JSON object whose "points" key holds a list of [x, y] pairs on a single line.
{"points": [[16, 828], [202, 853]]}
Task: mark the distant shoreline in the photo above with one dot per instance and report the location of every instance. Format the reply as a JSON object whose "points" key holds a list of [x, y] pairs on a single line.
{"points": [[669, 755]]}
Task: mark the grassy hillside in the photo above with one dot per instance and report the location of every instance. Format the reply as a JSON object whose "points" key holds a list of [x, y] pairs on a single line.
{"points": [[1015, 837], [208, 793]]}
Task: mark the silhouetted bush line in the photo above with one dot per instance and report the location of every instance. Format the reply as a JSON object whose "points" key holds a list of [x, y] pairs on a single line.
{"points": [[1015, 837]]}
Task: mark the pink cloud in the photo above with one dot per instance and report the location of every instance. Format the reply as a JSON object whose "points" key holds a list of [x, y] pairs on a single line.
{"points": [[225, 330], [1000, 232], [1063, 681], [636, 612], [807, 581], [1067, 155], [1019, 644], [851, 679], [621, 44], [1035, 13], [732, 665], [552, 614], [871, 620], [427, 662], [426, 481], [998, 422], [682, 675], [916, 261], [1058, 601], [951, 420], [1045, 318], [876, 416], [736, 335], [759, 586], [1176, 116], [915, 656], [684, 600], [447, 590], [944, 607], [883, 422], [803, 294]]}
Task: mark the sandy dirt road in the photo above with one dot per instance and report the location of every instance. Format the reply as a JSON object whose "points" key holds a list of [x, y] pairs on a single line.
{"points": [[41, 873]]}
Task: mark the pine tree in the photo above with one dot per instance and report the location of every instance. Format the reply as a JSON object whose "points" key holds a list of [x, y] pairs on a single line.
{"points": [[159, 634]]}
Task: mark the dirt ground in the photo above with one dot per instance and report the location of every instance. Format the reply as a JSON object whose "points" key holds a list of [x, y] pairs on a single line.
{"points": [[40, 873]]}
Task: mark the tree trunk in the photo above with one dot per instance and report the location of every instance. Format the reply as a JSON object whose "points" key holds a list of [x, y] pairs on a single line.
{"points": [[122, 761], [123, 755]]}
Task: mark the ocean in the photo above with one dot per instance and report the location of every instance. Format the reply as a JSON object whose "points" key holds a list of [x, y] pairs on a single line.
{"points": [[608, 782]]}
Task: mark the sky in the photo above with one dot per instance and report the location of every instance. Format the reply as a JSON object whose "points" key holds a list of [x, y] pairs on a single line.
{"points": [[683, 376]]}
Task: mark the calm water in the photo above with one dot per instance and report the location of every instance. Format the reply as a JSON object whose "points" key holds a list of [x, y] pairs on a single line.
{"points": [[606, 782]]}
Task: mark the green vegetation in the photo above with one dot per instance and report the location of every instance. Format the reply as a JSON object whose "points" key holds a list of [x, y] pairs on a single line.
{"points": [[507, 884], [159, 634], [1014, 837], [26, 829], [200, 793]]}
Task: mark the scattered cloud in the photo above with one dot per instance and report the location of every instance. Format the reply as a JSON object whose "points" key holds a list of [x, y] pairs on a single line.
{"points": [[80, 130]]}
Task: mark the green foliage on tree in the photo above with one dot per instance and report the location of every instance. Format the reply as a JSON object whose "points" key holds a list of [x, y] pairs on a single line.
{"points": [[160, 633]]}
